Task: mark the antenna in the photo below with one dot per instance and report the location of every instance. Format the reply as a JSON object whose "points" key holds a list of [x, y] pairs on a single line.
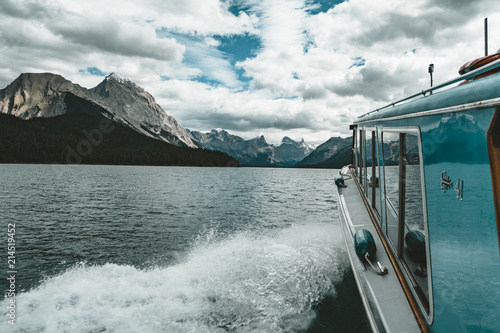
{"points": [[485, 36], [431, 70]]}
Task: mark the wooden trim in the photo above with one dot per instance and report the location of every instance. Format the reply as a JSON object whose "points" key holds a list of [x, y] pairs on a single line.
{"points": [[422, 324], [493, 139]]}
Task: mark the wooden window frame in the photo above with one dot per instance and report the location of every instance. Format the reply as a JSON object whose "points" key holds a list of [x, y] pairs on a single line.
{"points": [[493, 140]]}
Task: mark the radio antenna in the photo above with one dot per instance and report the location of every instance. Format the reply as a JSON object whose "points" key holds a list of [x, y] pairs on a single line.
{"points": [[485, 36]]}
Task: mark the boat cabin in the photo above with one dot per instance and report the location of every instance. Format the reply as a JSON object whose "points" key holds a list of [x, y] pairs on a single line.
{"points": [[425, 182]]}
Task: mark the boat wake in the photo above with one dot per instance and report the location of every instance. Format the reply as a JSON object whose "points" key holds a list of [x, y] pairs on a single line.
{"points": [[248, 282]]}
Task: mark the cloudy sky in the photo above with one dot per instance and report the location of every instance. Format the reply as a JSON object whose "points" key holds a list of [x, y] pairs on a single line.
{"points": [[301, 68]]}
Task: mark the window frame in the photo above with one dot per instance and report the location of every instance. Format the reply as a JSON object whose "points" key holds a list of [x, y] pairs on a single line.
{"points": [[427, 309], [426, 306]]}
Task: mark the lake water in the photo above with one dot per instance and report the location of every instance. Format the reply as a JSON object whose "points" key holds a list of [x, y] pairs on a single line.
{"points": [[175, 249]]}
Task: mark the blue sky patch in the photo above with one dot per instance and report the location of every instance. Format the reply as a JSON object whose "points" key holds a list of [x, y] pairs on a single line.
{"points": [[411, 51], [217, 62], [358, 62], [240, 47], [239, 6], [93, 71], [207, 80], [322, 6]]}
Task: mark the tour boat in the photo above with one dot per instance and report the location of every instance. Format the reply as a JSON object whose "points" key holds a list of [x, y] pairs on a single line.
{"points": [[420, 207]]}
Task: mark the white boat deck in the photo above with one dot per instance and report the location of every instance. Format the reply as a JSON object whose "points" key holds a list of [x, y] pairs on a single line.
{"points": [[383, 296]]}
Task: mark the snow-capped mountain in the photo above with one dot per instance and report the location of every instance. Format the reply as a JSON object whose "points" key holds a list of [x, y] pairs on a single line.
{"points": [[48, 95], [255, 151], [292, 151]]}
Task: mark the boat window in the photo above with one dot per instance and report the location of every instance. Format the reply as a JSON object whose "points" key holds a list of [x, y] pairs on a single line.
{"points": [[378, 154], [375, 180], [391, 175], [372, 172], [360, 154], [356, 151], [414, 252], [405, 220], [369, 165], [364, 160]]}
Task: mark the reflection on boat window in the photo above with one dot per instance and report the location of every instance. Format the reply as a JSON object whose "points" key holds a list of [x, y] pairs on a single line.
{"points": [[369, 161], [398, 154], [414, 250], [391, 174], [405, 228], [360, 155], [375, 179], [356, 151]]}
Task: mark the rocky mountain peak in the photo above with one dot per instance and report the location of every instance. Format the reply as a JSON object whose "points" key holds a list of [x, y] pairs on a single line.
{"points": [[288, 140], [36, 95], [260, 140], [40, 82], [117, 77], [219, 133], [46, 95], [137, 108]]}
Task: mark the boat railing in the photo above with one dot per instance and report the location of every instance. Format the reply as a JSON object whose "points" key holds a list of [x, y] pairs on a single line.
{"points": [[481, 70]]}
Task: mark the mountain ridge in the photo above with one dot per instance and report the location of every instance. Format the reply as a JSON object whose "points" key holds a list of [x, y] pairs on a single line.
{"points": [[46, 95], [91, 138], [43, 94], [325, 151], [255, 151]]}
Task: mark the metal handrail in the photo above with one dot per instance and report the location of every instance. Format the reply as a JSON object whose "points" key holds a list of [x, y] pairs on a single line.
{"points": [[471, 74]]}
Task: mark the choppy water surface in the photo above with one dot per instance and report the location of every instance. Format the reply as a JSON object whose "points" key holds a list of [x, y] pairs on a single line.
{"points": [[170, 249]]}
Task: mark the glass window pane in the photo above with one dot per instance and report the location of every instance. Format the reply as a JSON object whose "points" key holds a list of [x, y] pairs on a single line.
{"points": [[356, 151], [414, 253], [360, 152], [391, 174], [376, 179], [369, 162]]}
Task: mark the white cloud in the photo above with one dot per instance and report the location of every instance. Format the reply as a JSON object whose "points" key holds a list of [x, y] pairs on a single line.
{"points": [[395, 39], [282, 33], [205, 17]]}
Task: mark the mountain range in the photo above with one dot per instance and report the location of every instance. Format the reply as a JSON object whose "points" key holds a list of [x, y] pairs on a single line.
{"points": [[45, 118], [256, 151], [57, 101]]}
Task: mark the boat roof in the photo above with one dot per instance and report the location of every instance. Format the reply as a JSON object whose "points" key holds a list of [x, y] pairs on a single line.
{"points": [[483, 89]]}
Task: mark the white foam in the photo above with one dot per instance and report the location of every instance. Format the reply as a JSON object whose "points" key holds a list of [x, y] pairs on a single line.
{"points": [[245, 283]]}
